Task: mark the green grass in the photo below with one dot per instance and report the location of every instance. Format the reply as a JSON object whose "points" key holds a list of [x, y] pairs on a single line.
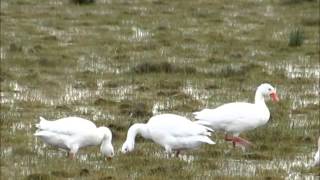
{"points": [[296, 37], [117, 62]]}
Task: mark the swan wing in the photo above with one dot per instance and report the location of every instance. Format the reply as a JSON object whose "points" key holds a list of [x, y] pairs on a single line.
{"points": [[176, 126], [67, 126], [233, 116]]}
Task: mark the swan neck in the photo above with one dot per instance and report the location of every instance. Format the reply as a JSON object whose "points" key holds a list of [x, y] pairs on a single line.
{"points": [[106, 139], [137, 129], [104, 136], [259, 99], [105, 142]]}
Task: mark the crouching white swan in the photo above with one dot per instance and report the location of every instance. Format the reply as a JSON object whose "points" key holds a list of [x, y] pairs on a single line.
{"points": [[73, 133], [173, 132]]}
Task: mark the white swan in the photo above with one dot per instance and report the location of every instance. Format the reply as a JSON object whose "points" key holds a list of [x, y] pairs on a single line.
{"points": [[73, 133], [173, 132], [237, 117], [317, 155]]}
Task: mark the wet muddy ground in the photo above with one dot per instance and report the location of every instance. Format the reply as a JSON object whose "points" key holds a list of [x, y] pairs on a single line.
{"points": [[120, 62]]}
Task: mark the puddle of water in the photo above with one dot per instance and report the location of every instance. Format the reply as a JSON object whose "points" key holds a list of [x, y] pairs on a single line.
{"points": [[159, 107], [6, 151], [99, 115], [269, 12], [21, 126], [63, 36], [122, 92], [195, 92], [293, 71], [56, 3], [301, 103], [297, 67], [250, 168], [183, 157], [97, 64], [300, 121], [5, 99], [280, 35], [139, 34], [3, 54], [302, 69], [258, 53], [68, 96]]}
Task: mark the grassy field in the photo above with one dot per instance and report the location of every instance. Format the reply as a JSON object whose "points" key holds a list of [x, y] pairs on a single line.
{"points": [[118, 62]]}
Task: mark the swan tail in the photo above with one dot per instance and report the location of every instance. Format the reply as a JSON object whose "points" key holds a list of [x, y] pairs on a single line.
{"points": [[207, 140], [204, 123], [42, 123]]}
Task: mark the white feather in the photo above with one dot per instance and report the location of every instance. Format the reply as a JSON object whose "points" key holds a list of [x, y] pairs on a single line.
{"points": [[237, 117], [73, 133], [173, 132]]}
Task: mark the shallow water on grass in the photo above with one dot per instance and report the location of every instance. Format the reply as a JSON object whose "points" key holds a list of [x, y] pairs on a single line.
{"points": [[301, 69], [59, 59], [195, 92], [287, 168], [284, 168]]}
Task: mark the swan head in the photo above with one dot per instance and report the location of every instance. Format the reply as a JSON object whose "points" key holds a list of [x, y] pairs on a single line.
{"points": [[267, 90], [106, 145], [127, 147], [135, 129]]}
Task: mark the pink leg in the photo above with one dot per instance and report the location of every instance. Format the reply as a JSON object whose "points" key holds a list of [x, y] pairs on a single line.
{"points": [[237, 140], [241, 141], [71, 155], [227, 138]]}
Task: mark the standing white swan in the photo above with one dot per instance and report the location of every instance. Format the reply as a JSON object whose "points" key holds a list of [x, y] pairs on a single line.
{"points": [[173, 132], [237, 117], [73, 133], [317, 155]]}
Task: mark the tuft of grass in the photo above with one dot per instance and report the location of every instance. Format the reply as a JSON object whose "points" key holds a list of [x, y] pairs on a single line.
{"points": [[23, 151], [45, 62], [62, 174], [169, 84], [257, 156], [63, 108], [311, 21], [307, 109], [38, 176], [232, 71], [135, 109], [86, 84], [5, 76], [268, 174], [167, 93], [187, 106], [313, 170], [296, 37], [107, 178], [103, 102], [84, 172], [15, 48], [162, 67], [288, 2], [83, 1], [215, 60]]}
